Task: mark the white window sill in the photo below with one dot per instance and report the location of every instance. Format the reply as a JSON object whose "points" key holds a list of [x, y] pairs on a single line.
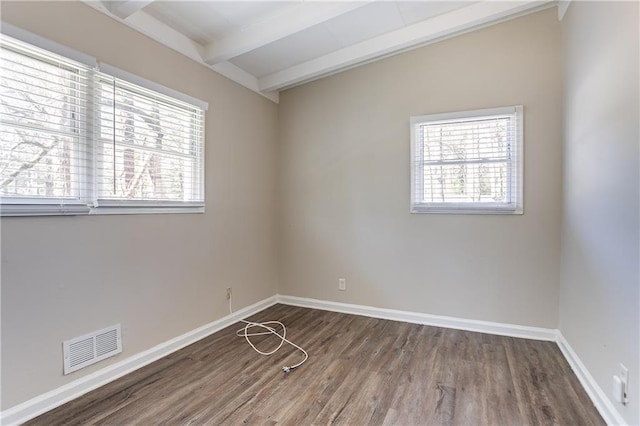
{"points": [[424, 209], [44, 210]]}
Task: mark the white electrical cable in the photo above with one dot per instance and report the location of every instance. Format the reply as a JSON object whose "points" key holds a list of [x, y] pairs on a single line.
{"points": [[244, 332]]}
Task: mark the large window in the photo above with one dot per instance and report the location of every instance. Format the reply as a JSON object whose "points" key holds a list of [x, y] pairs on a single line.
{"points": [[75, 139], [467, 162]]}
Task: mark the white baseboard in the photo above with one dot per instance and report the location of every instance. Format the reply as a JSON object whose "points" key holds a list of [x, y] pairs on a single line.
{"points": [[535, 333], [56, 397], [602, 403], [598, 397]]}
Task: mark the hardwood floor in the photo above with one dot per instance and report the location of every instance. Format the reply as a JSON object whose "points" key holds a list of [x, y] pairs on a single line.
{"points": [[360, 371]]}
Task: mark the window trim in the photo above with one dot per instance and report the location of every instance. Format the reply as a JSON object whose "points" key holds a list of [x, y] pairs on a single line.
{"points": [[126, 206], [515, 179], [86, 203]]}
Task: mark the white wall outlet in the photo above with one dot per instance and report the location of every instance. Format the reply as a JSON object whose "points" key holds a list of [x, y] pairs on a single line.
{"points": [[621, 385], [342, 284], [624, 378], [228, 293]]}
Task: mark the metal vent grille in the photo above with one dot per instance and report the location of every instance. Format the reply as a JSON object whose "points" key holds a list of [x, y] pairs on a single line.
{"points": [[91, 348], [107, 342]]}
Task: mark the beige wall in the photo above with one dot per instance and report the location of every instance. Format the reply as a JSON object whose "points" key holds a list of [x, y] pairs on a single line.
{"points": [[600, 284], [318, 188], [157, 275], [344, 182]]}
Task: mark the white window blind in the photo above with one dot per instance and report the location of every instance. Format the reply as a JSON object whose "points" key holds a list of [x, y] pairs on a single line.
{"points": [[467, 162], [76, 140], [150, 147], [43, 125]]}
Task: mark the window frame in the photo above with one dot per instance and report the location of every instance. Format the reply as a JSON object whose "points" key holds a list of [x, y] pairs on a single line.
{"points": [[136, 206], [86, 200], [73, 62], [515, 185]]}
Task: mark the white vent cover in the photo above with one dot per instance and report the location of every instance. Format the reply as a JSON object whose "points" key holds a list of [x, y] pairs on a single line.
{"points": [[91, 348]]}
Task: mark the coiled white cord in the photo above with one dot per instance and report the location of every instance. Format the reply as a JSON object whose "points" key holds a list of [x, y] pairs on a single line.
{"points": [[244, 332]]}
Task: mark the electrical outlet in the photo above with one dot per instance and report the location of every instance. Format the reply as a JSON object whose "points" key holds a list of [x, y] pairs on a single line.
{"points": [[342, 284], [624, 378], [621, 386], [228, 293]]}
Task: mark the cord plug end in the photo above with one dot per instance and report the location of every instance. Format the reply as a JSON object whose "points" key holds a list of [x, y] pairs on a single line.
{"points": [[286, 369]]}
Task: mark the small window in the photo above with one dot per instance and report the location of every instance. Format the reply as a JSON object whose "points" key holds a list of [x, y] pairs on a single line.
{"points": [[467, 162]]}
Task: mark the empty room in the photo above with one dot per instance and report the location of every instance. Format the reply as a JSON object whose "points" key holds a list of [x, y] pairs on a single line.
{"points": [[317, 212]]}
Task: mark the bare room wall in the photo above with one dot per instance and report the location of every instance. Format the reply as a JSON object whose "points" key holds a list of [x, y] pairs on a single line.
{"points": [[600, 282], [158, 275], [344, 182]]}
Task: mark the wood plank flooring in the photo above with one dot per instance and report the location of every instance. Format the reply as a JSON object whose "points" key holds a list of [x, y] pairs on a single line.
{"points": [[360, 371]]}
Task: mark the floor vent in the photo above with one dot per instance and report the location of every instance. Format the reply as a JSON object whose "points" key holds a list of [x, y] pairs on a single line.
{"points": [[91, 348]]}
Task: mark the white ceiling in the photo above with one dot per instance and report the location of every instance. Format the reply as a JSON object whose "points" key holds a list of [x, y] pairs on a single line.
{"points": [[268, 46]]}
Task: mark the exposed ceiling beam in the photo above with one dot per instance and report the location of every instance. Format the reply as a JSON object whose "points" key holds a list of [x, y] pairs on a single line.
{"points": [[162, 33], [563, 5], [243, 78], [430, 30], [126, 8], [166, 35], [292, 20], [155, 29]]}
